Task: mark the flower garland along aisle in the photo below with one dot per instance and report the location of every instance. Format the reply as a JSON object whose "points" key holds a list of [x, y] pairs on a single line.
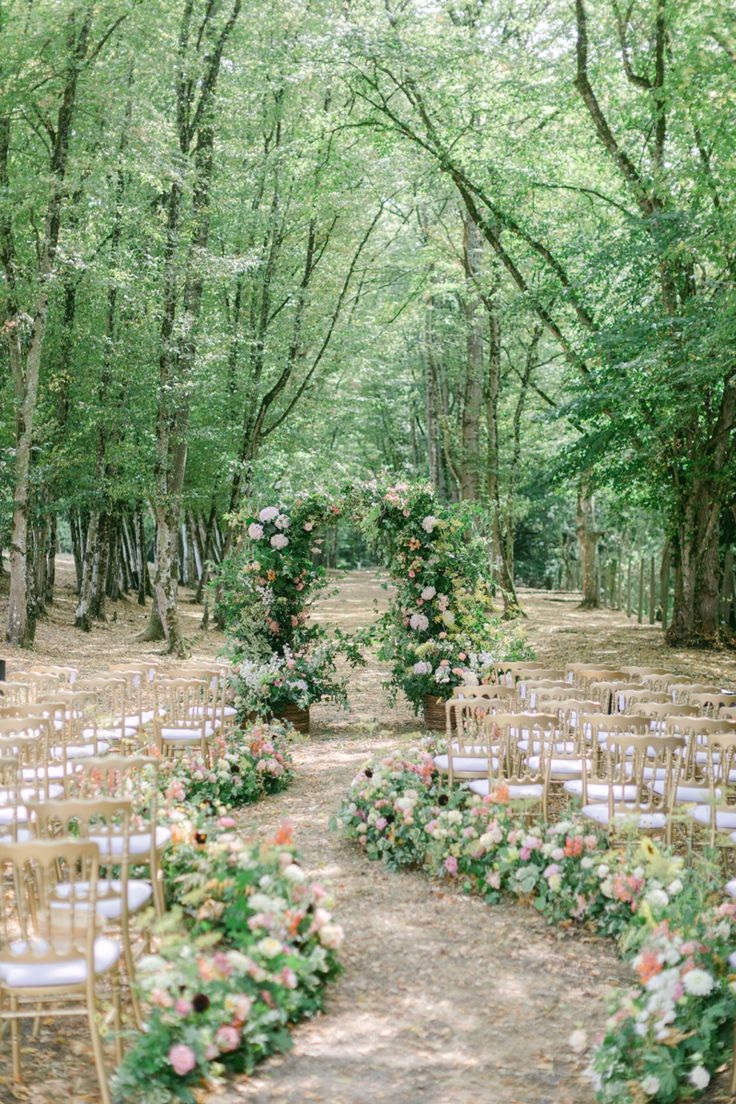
{"points": [[668, 1035], [266, 592], [439, 631], [248, 945]]}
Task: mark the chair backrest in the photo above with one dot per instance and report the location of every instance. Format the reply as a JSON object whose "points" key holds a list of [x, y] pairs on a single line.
{"points": [[639, 761], [639, 672], [465, 720], [105, 821], [711, 703], [596, 728], [49, 935], [631, 698], [485, 690], [662, 710]]}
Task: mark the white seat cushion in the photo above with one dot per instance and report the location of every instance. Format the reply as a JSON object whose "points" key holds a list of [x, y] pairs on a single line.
{"points": [[139, 843], [229, 711], [10, 813], [516, 793], [688, 794], [109, 732], [725, 818], [731, 888], [599, 813], [30, 793], [139, 894], [80, 751], [71, 971], [22, 835], [598, 791], [467, 764], [187, 734], [560, 766]]}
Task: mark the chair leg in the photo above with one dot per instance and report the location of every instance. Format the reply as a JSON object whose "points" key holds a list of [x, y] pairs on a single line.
{"points": [[97, 1045], [15, 1039], [117, 1016], [130, 971], [733, 1065]]}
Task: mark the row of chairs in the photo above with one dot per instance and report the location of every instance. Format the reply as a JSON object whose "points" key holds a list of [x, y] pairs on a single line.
{"points": [[628, 761], [79, 762]]}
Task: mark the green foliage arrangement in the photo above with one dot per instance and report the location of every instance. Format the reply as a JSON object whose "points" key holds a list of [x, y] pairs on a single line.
{"points": [[667, 1035]]}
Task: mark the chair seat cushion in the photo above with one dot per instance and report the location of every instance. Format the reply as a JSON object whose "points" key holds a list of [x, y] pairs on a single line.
{"points": [[598, 791], [80, 751], [109, 732], [560, 766], [67, 971], [139, 894], [730, 887], [10, 813], [725, 818], [516, 792], [20, 835], [183, 735], [464, 764], [139, 843], [599, 813], [688, 794]]}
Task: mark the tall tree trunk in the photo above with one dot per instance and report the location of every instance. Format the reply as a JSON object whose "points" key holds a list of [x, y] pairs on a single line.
{"points": [[470, 461], [588, 538], [696, 617]]}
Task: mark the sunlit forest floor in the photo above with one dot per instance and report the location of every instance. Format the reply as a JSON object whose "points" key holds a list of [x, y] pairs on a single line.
{"points": [[443, 1000]]}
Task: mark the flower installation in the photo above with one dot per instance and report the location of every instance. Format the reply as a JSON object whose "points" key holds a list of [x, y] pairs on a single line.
{"points": [[246, 951], [438, 632], [671, 1031], [266, 592]]}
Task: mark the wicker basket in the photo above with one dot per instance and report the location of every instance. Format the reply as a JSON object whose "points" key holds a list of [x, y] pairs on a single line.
{"points": [[434, 713], [295, 716]]}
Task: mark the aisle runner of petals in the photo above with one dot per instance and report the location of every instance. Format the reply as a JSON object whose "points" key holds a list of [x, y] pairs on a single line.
{"points": [[668, 1034]]}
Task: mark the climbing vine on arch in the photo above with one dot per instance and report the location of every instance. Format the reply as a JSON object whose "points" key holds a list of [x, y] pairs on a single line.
{"points": [[440, 628]]}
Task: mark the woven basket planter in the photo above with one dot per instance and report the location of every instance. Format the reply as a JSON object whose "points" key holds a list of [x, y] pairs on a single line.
{"points": [[295, 716], [434, 713]]}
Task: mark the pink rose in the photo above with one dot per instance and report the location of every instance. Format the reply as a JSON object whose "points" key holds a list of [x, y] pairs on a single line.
{"points": [[451, 865], [182, 1059], [183, 1007], [227, 1038]]}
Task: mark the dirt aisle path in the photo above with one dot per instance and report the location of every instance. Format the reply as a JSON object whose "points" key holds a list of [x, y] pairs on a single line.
{"points": [[443, 1000]]}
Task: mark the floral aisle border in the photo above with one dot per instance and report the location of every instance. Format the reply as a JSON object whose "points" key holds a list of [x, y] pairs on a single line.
{"points": [[249, 943], [439, 631], [668, 1034]]}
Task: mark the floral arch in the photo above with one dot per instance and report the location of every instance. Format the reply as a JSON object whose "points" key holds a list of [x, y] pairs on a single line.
{"points": [[440, 629]]}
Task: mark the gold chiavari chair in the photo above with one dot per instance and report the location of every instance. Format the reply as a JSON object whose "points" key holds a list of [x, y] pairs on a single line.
{"points": [[468, 744], [607, 693], [52, 960], [509, 774], [633, 764], [185, 723], [129, 778], [107, 822], [718, 815]]}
